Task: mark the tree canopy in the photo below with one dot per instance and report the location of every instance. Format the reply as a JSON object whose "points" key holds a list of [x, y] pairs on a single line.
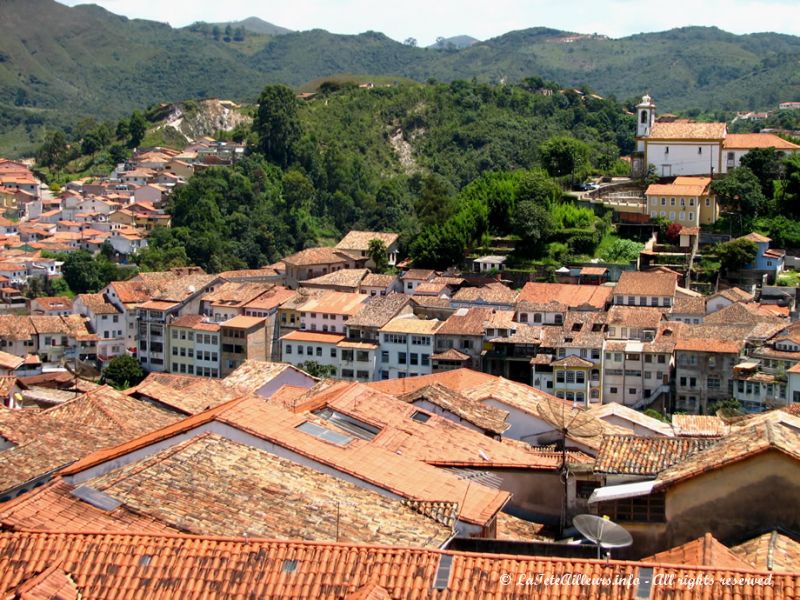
{"points": [[277, 124]]}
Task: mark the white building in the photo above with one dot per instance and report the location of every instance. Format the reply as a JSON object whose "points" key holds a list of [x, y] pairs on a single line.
{"points": [[406, 345]]}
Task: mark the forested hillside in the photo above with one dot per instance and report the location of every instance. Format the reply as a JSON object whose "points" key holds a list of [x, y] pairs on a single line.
{"points": [[401, 158], [59, 64]]}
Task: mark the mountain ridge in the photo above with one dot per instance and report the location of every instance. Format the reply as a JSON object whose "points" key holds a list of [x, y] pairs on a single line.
{"points": [[59, 64]]}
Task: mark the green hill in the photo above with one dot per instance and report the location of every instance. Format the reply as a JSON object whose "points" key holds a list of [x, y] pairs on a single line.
{"points": [[58, 64]]}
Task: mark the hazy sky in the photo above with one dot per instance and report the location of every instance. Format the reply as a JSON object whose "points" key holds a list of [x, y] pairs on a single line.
{"points": [[427, 19]]}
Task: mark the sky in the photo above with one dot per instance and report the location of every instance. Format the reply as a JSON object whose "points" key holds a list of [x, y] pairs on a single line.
{"points": [[425, 20]]}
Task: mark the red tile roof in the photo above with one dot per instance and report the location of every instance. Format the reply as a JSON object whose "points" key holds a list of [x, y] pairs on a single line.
{"points": [[706, 551], [128, 567]]}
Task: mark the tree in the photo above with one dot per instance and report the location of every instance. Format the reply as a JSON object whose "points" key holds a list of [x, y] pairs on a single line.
{"points": [[81, 272], [122, 372], [410, 41], [740, 191], [137, 128], [376, 250], [538, 187], [317, 370], [736, 254], [563, 155], [54, 151], [623, 251], [216, 32], [532, 223], [228, 32], [673, 232], [790, 190], [765, 163], [277, 124]]}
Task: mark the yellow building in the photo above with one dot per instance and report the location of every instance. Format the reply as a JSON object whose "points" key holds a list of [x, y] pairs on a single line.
{"points": [[687, 200]]}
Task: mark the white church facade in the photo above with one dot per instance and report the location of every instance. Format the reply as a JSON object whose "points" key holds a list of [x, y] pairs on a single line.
{"points": [[679, 147]]}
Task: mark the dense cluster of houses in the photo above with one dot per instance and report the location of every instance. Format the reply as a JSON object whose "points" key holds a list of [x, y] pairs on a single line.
{"points": [[120, 210], [270, 473], [641, 341]]}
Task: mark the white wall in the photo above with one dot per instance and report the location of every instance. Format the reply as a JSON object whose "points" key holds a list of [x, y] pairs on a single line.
{"points": [[683, 158]]}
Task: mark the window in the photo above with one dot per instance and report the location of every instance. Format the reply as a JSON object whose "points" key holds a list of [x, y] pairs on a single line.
{"points": [[420, 417], [672, 201], [414, 358], [310, 350], [333, 352], [300, 350], [426, 359], [319, 351], [570, 376], [580, 377], [663, 201], [384, 356], [328, 435], [691, 216], [560, 376], [666, 150], [644, 509], [699, 149], [401, 358], [612, 390]]}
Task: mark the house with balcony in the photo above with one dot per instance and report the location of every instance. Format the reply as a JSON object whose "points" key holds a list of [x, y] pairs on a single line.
{"points": [[768, 262], [687, 201]]}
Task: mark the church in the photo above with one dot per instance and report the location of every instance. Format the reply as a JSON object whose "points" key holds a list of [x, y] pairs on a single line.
{"points": [[678, 147]]}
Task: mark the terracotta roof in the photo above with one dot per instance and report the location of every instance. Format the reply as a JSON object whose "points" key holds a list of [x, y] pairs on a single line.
{"points": [[682, 186], [643, 317], [614, 412], [272, 299], [60, 435], [519, 530], [98, 304], [378, 280], [53, 507], [493, 293], [593, 271], [687, 130], [313, 336], [244, 322], [347, 278], [748, 141], [10, 361], [756, 237], [466, 322], [481, 415], [772, 551], [337, 303], [53, 303], [573, 361], [359, 240], [375, 465], [418, 274], [436, 440], [451, 354], [185, 393], [412, 325], [158, 305], [318, 256], [638, 283], [252, 375], [196, 322], [248, 273], [704, 551], [379, 310], [181, 566], [236, 294], [689, 306], [647, 456], [212, 485], [175, 285], [778, 431], [735, 294], [699, 425], [483, 387]]}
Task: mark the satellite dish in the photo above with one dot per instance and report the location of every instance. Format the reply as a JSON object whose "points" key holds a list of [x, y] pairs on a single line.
{"points": [[602, 531]]}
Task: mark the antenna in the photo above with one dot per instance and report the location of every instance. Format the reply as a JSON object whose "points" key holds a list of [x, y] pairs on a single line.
{"points": [[602, 532]]}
